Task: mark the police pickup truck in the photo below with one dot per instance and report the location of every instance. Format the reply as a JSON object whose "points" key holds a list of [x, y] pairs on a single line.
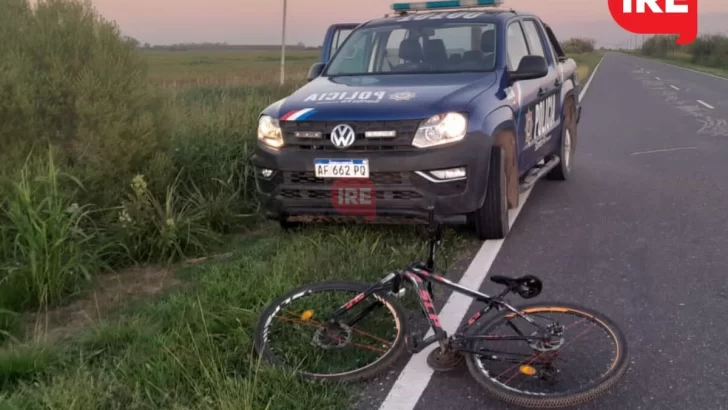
{"points": [[463, 103]]}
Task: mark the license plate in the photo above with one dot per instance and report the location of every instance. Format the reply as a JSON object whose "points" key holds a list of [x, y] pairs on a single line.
{"points": [[342, 168]]}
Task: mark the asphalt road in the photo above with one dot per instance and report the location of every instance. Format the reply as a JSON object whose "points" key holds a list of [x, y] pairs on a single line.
{"points": [[638, 233]]}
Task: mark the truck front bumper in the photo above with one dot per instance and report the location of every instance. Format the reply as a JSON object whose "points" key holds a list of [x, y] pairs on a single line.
{"points": [[402, 183]]}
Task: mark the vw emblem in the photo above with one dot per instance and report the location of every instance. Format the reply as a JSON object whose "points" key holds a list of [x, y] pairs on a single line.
{"points": [[342, 136]]}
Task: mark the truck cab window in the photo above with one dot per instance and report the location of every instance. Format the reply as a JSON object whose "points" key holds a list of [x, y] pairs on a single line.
{"points": [[355, 57], [422, 47], [517, 48], [534, 39], [341, 35]]}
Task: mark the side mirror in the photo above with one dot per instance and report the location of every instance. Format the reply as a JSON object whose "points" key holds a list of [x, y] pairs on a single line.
{"points": [[529, 68], [315, 71]]}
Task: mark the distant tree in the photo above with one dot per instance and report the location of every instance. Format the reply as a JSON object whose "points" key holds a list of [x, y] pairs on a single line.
{"points": [[578, 45], [131, 40]]}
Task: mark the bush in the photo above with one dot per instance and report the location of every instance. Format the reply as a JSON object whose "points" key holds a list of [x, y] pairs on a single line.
{"points": [[164, 230], [70, 78], [706, 50], [659, 46], [578, 45]]}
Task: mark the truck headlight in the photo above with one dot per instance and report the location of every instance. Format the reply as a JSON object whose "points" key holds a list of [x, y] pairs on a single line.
{"points": [[269, 132], [441, 129]]}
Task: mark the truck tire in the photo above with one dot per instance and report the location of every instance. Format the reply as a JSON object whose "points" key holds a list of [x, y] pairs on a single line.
{"points": [[567, 145], [491, 219]]}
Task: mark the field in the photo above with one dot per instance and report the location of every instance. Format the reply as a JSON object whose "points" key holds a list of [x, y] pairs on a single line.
{"points": [[226, 68], [132, 262], [708, 53]]}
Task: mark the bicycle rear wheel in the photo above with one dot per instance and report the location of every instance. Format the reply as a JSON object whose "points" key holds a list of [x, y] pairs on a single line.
{"points": [[296, 332], [530, 374]]}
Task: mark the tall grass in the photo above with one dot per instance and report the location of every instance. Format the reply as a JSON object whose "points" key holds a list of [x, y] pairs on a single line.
{"points": [[50, 243], [72, 81], [162, 230]]}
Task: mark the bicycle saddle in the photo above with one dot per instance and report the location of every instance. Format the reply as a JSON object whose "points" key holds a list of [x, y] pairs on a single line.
{"points": [[527, 286]]}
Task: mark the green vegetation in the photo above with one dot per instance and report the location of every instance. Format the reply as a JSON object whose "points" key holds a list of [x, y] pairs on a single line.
{"points": [[136, 157], [578, 45], [708, 53], [192, 348], [583, 51], [585, 63]]}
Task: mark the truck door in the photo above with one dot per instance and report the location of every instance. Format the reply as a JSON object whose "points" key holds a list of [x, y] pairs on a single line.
{"points": [[335, 37], [538, 99], [547, 132], [525, 93]]}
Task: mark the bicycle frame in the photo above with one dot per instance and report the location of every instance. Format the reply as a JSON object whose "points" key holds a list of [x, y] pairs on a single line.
{"points": [[419, 276]]}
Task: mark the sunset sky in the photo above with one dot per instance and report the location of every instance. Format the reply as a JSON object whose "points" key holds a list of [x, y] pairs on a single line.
{"points": [[259, 22]]}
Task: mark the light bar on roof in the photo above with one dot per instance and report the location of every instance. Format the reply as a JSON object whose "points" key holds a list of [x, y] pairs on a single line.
{"points": [[445, 4]]}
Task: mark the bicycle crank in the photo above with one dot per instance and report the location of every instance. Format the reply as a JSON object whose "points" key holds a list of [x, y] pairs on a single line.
{"points": [[443, 360]]}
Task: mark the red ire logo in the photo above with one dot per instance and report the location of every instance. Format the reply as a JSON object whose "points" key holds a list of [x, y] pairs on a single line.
{"points": [[658, 17], [354, 196]]}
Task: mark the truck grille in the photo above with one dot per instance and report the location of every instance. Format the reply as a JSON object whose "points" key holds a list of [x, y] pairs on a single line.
{"points": [[326, 194], [377, 178], [405, 131], [388, 185]]}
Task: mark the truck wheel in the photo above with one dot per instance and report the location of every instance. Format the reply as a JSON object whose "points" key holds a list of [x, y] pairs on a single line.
{"points": [[491, 219], [567, 147]]}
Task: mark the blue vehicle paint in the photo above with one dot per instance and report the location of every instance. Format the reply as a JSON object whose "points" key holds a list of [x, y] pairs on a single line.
{"points": [[382, 87]]}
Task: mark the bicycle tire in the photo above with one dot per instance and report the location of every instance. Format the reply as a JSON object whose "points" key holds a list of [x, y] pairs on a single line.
{"points": [[364, 373], [556, 400]]}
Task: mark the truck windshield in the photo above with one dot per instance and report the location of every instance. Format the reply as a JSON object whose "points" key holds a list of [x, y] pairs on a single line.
{"points": [[417, 47]]}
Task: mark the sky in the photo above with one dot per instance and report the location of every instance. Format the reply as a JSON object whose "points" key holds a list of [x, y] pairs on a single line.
{"points": [[259, 22]]}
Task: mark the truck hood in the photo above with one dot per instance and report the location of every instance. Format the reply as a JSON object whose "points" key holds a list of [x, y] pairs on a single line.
{"points": [[384, 97]]}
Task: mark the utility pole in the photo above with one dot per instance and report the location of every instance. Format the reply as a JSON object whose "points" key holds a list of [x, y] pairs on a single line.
{"points": [[283, 44]]}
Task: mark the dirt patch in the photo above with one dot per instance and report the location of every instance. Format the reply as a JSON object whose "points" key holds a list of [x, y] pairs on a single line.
{"points": [[109, 291]]}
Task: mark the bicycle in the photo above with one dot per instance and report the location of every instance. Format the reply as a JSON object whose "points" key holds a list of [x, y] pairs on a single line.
{"points": [[333, 334]]}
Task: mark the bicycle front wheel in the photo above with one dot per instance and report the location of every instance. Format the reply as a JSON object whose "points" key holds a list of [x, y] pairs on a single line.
{"points": [[296, 332], [582, 355]]}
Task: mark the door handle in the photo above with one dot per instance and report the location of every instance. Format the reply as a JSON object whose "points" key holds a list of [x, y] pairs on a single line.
{"points": [[542, 91], [558, 82]]}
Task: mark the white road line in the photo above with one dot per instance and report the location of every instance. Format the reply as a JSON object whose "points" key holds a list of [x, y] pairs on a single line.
{"points": [[413, 379], [662, 150], [706, 104], [658, 79], [674, 88], [591, 77]]}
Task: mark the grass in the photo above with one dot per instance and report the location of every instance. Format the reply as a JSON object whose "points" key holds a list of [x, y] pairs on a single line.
{"points": [[174, 68], [683, 59], [586, 62], [191, 348], [707, 53]]}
